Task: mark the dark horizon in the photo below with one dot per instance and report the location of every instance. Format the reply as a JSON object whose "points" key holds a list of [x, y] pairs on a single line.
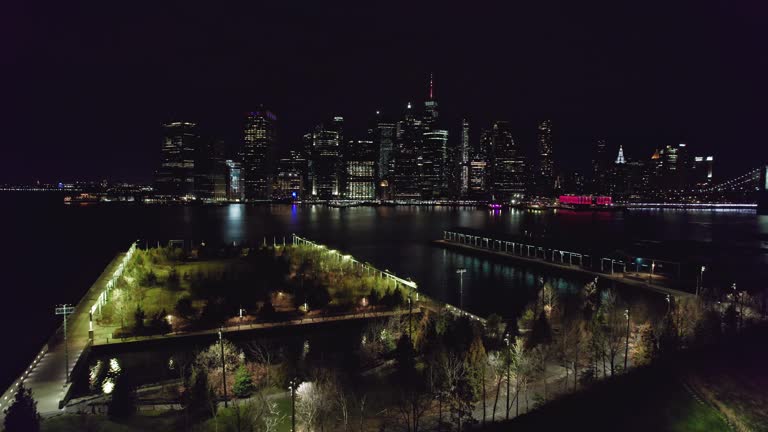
{"points": [[88, 88]]}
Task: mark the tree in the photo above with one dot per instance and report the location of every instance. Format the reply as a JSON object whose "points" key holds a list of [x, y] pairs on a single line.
{"points": [[184, 308], [476, 372], [243, 382], [541, 333], [123, 401], [197, 396], [22, 415], [138, 317]]}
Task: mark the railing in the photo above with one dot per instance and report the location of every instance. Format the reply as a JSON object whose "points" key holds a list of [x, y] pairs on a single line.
{"points": [[384, 274]]}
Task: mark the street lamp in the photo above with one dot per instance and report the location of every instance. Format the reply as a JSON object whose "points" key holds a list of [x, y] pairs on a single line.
{"points": [[700, 286], [626, 346], [223, 366], [292, 386], [460, 272], [653, 267], [509, 367]]}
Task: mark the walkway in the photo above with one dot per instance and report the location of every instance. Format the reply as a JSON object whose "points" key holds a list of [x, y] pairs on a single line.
{"points": [[46, 375], [617, 277], [101, 341]]}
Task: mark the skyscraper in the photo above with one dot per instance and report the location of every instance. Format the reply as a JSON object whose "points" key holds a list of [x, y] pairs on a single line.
{"points": [[384, 135], [234, 180], [175, 178], [464, 159], [432, 162], [620, 158], [405, 176], [325, 168], [289, 179], [259, 141], [600, 165], [360, 170], [546, 175], [430, 106], [507, 164]]}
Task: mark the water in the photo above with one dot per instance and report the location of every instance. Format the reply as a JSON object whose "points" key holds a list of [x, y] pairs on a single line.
{"points": [[51, 253]]}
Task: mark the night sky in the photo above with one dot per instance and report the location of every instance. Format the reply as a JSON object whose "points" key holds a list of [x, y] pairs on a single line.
{"points": [[86, 85]]}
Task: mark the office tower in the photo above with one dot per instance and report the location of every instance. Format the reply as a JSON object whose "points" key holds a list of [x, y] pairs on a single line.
{"points": [[176, 176], [432, 164], [430, 106], [464, 158], [360, 170], [601, 162], [325, 171], [384, 135], [702, 170], [234, 181], [289, 177], [210, 170], [506, 164], [672, 167], [259, 141], [478, 176], [546, 172], [405, 175]]}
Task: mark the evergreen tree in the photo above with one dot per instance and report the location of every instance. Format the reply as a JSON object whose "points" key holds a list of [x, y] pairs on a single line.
{"points": [[22, 415], [243, 382]]}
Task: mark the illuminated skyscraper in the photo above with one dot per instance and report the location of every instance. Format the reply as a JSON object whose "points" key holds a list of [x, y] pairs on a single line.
{"points": [[360, 170], [620, 158], [325, 168], [546, 175], [432, 162], [430, 106], [289, 179], [507, 180], [176, 176], [259, 141], [234, 181], [464, 158], [405, 175], [384, 135]]}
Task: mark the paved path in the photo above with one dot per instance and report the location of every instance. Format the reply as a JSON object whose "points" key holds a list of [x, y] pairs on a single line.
{"points": [[102, 341], [617, 277], [46, 375]]}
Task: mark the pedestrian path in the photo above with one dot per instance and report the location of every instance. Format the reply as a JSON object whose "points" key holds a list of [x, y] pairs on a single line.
{"points": [[46, 376]]}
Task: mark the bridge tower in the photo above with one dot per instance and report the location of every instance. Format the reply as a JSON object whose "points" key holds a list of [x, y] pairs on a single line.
{"points": [[762, 193]]}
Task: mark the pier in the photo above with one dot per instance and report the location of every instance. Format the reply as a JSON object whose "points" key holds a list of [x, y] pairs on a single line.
{"points": [[546, 253]]}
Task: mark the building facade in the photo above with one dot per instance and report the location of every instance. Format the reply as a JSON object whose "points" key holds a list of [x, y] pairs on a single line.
{"points": [[258, 144], [175, 178]]}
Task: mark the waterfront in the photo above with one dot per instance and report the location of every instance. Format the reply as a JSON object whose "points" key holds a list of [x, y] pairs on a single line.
{"points": [[54, 252]]}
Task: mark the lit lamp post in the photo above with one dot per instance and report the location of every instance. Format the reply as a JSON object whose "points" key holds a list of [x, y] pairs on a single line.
{"points": [[653, 267], [700, 286], [292, 386], [223, 366], [626, 345], [461, 272], [509, 367], [67, 310]]}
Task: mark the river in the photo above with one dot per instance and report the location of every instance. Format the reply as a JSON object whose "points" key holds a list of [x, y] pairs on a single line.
{"points": [[52, 252]]}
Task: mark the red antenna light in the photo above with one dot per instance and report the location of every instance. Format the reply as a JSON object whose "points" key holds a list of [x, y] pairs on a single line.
{"points": [[431, 88]]}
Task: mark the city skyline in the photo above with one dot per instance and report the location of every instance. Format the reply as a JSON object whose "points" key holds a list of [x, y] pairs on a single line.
{"points": [[649, 84]]}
